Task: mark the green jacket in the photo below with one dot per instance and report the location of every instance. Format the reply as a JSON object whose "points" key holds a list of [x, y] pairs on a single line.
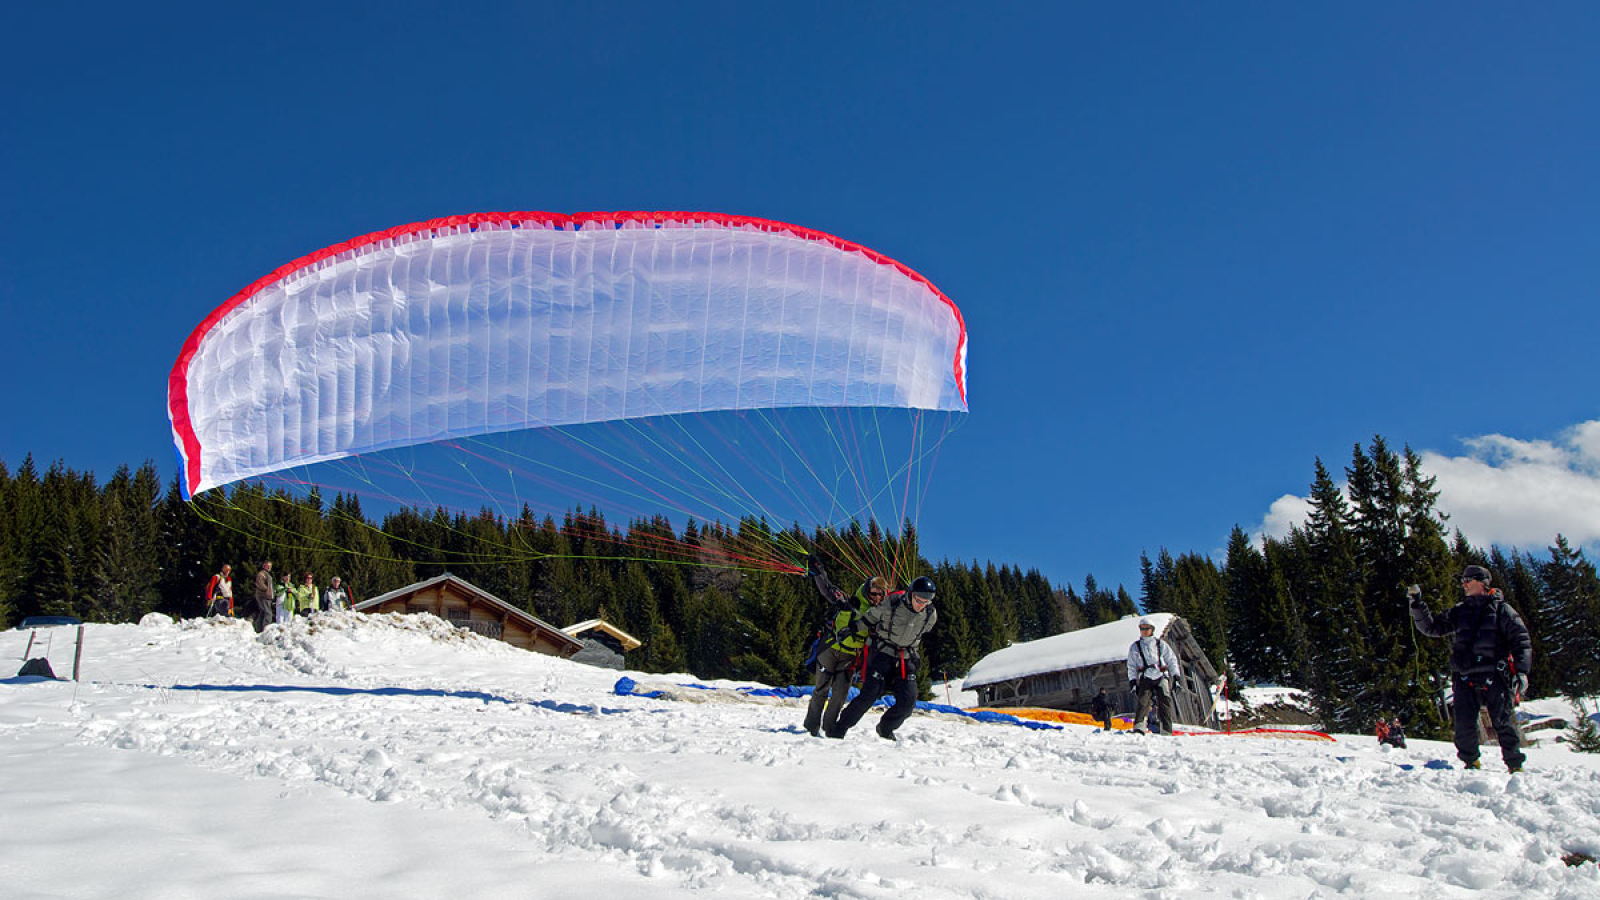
{"points": [[300, 598], [849, 630], [844, 629]]}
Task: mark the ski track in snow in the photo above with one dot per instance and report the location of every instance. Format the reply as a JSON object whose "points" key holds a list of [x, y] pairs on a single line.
{"points": [[735, 799]]}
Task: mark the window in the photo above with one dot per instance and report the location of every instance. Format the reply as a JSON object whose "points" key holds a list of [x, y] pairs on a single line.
{"points": [[480, 626]]}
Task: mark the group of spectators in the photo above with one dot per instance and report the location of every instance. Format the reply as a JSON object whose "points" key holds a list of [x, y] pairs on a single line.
{"points": [[273, 601], [1391, 732]]}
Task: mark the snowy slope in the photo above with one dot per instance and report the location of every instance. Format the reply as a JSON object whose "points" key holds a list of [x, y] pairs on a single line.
{"points": [[391, 756]]}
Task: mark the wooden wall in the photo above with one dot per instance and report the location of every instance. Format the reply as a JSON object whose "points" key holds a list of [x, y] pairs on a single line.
{"points": [[463, 610]]}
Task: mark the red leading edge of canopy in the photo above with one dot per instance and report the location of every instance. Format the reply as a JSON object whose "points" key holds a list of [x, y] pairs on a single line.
{"points": [[178, 381]]}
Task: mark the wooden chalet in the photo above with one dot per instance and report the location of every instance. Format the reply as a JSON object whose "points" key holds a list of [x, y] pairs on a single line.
{"points": [[465, 605], [606, 633], [604, 644], [1065, 671]]}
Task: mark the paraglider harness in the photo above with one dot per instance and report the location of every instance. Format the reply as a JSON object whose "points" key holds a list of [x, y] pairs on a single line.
{"points": [[833, 637], [899, 652], [827, 634], [1505, 669], [1145, 661]]}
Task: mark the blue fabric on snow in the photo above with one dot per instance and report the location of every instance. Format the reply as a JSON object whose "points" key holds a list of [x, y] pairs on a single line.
{"points": [[627, 687]]}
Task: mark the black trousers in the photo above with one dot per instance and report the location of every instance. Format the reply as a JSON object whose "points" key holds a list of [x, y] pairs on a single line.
{"points": [[883, 675], [1487, 690]]}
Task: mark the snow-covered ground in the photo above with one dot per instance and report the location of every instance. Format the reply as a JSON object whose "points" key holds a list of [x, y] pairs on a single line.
{"points": [[391, 756]]}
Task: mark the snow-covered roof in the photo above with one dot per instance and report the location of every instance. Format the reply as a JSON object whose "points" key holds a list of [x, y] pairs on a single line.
{"points": [[628, 641], [1084, 647]]}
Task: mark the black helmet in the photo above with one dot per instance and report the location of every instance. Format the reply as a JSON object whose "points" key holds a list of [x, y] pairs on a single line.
{"points": [[1475, 573], [922, 587]]}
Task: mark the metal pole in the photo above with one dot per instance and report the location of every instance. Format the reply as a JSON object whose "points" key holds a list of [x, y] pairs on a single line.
{"points": [[77, 654], [31, 636]]}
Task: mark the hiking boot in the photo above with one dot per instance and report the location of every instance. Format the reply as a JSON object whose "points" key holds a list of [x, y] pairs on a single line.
{"points": [[886, 735], [1513, 768], [814, 732], [1472, 764], [834, 733]]}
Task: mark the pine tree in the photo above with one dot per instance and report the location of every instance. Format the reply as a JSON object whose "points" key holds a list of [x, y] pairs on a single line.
{"points": [[1585, 733], [126, 566], [1571, 591], [1291, 655], [11, 558], [1099, 606], [1123, 606], [951, 646], [1415, 668], [1522, 589], [25, 510], [1196, 593], [189, 551], [1071, 608], [1250, 638], [990, 630], [1336, 619], [62, 581]]}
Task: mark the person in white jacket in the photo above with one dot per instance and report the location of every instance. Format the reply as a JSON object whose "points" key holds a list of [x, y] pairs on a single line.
{"points": [[335, 598], [1151, 667]]}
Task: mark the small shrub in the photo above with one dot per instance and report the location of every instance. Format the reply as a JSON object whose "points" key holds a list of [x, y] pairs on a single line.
{"points": [[1585, 733]]}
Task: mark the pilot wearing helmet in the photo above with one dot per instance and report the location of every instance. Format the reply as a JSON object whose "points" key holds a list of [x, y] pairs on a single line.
{"points": [[897, 626]]}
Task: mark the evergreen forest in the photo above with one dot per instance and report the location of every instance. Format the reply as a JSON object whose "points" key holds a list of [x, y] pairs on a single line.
{"points": [[1322, 608]]}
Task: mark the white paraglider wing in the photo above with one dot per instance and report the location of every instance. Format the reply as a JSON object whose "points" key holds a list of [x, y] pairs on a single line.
{"points": [[500, 322]]}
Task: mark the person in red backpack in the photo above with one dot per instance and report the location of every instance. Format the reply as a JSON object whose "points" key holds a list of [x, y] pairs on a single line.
{"points": [[219, 593], [1490, 656]]}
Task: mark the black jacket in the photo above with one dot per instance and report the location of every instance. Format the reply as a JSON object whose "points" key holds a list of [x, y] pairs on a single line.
{"points": [[1487, 632]]}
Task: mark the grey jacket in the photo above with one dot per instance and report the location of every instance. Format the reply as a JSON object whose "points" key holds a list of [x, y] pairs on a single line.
{"points": [[264, 585], [896, 626]]}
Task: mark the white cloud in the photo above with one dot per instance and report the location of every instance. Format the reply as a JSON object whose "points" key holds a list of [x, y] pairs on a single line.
{"points": [[1504, 490], [1285, 512]]}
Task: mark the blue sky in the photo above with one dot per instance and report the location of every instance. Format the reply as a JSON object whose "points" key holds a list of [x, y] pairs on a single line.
{"points": [[1196, 247]]}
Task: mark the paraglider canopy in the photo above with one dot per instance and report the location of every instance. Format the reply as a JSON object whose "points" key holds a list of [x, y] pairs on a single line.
{"points": [[496, 322]]}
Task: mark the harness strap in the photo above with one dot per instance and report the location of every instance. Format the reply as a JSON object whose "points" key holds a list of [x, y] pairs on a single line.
{"points": [[1145, 660]]}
